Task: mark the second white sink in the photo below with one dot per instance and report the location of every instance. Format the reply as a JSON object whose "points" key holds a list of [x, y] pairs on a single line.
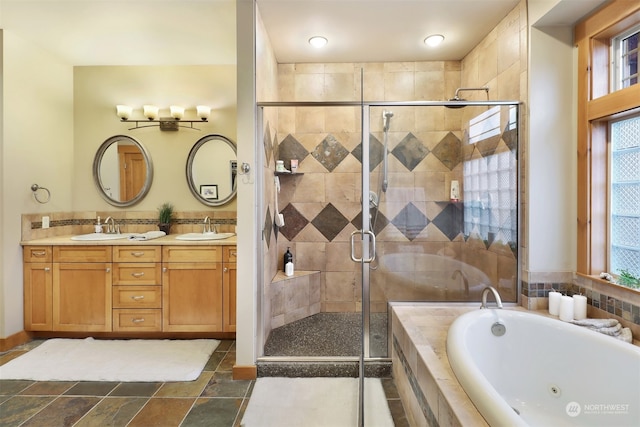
{"points": [[100, 236], [204, 236]]}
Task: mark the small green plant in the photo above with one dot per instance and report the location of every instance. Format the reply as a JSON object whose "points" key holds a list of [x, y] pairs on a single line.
{"points": [[165, 213], [627, 279]]}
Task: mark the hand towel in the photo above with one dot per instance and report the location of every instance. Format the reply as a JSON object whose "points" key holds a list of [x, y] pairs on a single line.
{"points": [[596, 323], [148, 235]]}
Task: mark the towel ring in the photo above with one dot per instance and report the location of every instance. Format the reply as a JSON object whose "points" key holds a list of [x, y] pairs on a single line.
{"points": [[35, 188]]}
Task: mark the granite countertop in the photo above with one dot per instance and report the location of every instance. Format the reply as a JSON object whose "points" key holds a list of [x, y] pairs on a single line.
{"points": [[162, 241]]}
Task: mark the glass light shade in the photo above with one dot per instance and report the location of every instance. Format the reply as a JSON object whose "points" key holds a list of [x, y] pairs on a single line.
{"points": [[150, 112], [177, 112], [203, 111], [434, 40], [318, 41], [123, 112]]}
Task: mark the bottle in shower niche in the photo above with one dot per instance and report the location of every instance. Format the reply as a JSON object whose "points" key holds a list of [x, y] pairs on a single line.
{"points": [[288, 263]]}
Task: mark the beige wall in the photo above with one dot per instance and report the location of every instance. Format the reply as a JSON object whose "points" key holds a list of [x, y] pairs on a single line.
{"points": [[97, 90], [37, 147]]}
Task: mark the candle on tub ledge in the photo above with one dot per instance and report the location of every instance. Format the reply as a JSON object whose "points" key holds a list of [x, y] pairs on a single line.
{"points": [[554, 303], [579, 307], [566, 308]]}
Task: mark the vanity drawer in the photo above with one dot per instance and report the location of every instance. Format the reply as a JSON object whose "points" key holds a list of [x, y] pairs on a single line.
{"points": [[137, 253], [37, 254], [229, 254], [137, 320], [191, 254], [137, 296], [82, 253], [137, 274]]}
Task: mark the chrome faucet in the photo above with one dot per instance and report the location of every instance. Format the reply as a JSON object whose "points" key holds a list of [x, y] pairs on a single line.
{"points": [[465, 280], [496, 296], [207, 226], [110, 224]]}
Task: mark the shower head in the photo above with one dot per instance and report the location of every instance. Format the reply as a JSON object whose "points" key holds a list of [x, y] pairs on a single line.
{"points": [[386, 118], [456, 97]]}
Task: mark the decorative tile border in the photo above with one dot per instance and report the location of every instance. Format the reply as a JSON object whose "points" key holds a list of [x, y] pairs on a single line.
{"points": [[413, 381]]}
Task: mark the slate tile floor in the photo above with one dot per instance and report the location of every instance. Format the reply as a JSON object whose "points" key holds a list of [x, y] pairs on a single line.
{"points": [[212, 400]]}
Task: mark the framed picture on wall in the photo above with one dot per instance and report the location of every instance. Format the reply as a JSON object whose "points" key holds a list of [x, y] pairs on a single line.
{"points": [[209, 192]]}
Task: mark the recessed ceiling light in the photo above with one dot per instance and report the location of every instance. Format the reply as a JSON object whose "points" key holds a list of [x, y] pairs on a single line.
{"points": [[317, 41], [434, 40]]}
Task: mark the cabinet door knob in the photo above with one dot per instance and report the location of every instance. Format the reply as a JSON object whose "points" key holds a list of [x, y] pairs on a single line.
{"points": [[140, 274], [108, 270], [137, 297], [47, 269], [138, 320], [225, 269], [137, 254], [164, 269]]}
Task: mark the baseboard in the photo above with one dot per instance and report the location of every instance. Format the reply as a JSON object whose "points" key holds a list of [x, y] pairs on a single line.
{"points": [[14, 340], [245, 372]]}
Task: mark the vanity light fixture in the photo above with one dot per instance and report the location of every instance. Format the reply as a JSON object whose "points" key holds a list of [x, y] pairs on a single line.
{"points": [[318, 41], [151, 112], [434, 40]]}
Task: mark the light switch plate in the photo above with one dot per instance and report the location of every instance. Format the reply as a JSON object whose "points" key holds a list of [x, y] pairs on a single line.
{"points": [[45, 222]]}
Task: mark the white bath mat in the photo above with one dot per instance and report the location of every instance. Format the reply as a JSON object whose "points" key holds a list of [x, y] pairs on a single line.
{"points": [[111, 360], [315, 402]]}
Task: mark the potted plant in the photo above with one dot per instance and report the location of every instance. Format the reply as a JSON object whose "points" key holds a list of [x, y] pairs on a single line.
{"points": [[165, 216]]}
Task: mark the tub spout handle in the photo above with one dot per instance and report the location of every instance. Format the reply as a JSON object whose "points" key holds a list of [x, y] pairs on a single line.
{"points": [[496, 296]]}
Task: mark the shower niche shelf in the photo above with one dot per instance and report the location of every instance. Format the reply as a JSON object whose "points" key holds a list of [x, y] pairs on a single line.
{"points": [[287, 173]]}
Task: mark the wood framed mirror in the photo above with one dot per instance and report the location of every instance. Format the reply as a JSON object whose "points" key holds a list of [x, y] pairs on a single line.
{"points": [[122, 171]]}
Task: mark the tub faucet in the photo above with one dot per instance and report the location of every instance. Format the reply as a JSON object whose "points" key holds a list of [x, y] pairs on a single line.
{"points": [[465, 280], [496, 296]]}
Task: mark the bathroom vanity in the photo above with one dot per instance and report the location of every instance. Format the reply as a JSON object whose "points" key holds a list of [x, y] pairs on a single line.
{"points": [[130, 287]]}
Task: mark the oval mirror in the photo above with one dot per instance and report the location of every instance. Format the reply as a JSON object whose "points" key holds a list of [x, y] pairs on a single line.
{"points": [[122, 171], [212, 170]]}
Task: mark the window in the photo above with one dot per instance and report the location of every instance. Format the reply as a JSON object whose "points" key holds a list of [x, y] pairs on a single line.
{"points": [[625, 59], [608, 132], [624, 185]]}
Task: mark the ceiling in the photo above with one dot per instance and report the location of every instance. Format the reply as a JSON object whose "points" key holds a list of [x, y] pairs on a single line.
{"points": [[194, 32]]}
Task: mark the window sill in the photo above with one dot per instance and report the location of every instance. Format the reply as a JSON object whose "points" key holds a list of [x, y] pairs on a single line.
{"points": [[600, 281]]}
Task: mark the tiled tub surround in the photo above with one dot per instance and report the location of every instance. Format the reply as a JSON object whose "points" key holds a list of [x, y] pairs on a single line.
{"points": [[604, 300], [427, 386], [72, 223]]}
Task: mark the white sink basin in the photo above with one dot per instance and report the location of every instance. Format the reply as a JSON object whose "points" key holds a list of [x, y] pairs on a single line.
{"points": [[204, 236], [100, 236]]}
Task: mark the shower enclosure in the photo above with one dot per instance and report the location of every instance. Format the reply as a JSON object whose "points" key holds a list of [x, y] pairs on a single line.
{"points": [[426, 204]]}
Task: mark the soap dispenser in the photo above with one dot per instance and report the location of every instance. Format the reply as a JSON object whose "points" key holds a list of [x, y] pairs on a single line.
{"points": [[288, 263], [98, 227]]}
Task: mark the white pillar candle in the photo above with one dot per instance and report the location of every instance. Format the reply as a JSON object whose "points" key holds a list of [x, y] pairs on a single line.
{"points": [[566, 308], [554, 303], [579, 307]]}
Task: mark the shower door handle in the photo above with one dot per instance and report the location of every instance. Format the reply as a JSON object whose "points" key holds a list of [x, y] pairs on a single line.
{"points": [[372, 249]]}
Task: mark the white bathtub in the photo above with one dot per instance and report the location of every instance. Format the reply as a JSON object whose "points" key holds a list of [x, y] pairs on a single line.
{"points": [[550, 372]]}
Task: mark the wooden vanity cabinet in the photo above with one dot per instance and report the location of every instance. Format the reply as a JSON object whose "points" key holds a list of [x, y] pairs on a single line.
{"points": [[137, 289], [38, 288], [82, 288], [229, 254], [192, 289]]}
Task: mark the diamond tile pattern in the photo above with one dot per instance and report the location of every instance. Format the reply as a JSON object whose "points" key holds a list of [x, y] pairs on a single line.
{"points": [[450, 221], [410, 151], [449, 151], [510, 137], [290, 148], [410, 221], [380, 221], [294, 222], [268, 144], [268, 224], [376, 151], [330, 153], [330, 222]]}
